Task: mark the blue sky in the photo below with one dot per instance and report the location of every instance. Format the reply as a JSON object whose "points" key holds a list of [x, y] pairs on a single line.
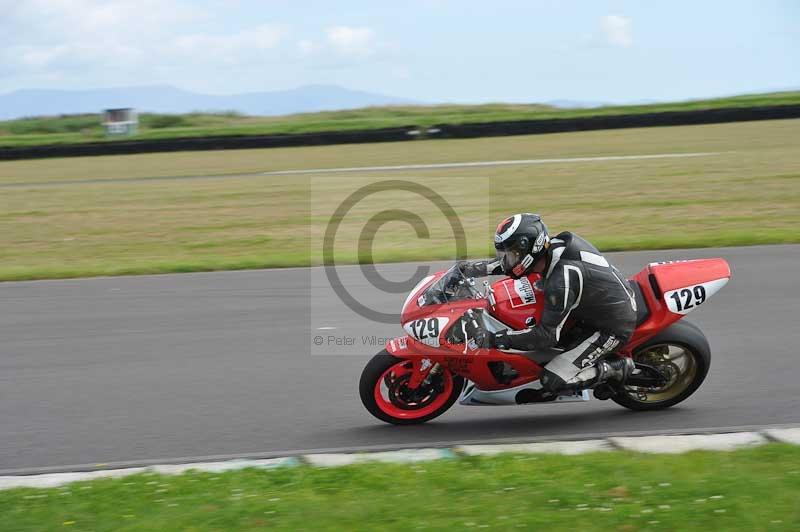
{"points": [[430, 50]]}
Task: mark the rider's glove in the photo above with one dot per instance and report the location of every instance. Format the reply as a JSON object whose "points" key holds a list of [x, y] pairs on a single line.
{"points": [[473, 268], [476, 336]]}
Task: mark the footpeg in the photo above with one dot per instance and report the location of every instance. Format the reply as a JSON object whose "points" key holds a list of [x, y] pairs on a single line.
{"points": [[576, 396], [604, 392]]}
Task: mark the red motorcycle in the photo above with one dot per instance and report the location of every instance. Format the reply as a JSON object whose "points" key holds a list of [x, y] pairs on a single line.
{"points": [[421, 375]]}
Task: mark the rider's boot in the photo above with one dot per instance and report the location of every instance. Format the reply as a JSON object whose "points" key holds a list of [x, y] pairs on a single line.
{"points": [[611, 375], [614, 371], [605, 375]]}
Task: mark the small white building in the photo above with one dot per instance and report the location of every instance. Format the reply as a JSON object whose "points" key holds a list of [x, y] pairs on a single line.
{"points": [[119, 122]]}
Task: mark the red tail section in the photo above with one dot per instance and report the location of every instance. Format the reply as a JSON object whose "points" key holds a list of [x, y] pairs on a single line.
{"points": [[673, 289], [681, 274]]}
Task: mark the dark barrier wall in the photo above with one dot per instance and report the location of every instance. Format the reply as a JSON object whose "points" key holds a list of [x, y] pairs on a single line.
{"points": [[488, 129], [206, 143], [670, 118]]}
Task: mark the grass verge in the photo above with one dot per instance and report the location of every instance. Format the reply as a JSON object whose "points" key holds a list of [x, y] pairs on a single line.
{"points": [[747, 193], [71, 129], [754, 489]]}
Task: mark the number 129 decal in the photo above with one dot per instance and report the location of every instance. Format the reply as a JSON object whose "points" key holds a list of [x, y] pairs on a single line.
{"points": [[686, 299], [426, 330]]}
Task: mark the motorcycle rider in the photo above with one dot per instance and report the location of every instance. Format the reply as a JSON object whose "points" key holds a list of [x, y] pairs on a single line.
{"points": [[579, 285]]}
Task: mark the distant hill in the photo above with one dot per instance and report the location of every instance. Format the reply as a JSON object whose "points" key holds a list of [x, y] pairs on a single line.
{"points": [[575, 104], [168, 99]]}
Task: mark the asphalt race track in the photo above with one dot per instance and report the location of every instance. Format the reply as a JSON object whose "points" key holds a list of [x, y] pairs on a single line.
{"points": [[176, 367]]}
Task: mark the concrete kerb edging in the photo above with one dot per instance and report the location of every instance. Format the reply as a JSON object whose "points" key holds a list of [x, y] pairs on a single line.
{"points": [[669, 443]]}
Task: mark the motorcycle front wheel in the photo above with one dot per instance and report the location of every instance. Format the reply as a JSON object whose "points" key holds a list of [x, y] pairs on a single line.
{"points": [[385, 393]]}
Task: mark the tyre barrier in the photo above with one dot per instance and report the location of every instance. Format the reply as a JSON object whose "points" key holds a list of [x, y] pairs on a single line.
{"points": [[453, 131]]}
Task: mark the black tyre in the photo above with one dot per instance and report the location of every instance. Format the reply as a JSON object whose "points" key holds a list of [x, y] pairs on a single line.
{"points": [[681, 351], [385, 396]]}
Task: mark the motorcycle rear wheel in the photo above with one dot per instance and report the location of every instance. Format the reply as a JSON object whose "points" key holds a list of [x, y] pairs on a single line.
{"points": [[385, 396], [682, 352]]}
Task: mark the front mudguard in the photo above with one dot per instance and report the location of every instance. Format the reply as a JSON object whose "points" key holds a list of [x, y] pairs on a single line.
{"points": [[397, 346]]}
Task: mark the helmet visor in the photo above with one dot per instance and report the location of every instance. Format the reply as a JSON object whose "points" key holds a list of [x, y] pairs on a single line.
{"points": [[508, 258]]}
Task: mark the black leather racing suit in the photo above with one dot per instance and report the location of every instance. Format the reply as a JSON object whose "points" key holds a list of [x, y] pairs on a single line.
{"points": [[580, 285]]}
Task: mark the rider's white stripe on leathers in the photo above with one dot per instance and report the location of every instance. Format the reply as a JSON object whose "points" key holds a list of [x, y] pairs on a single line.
{"points": [[555, 258], [567, 269], [577, 365], [628, 291], [563, 365], [594, 258]]}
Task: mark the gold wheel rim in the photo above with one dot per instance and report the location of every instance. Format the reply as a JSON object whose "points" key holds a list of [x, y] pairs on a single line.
{"points": [[677, 361]]}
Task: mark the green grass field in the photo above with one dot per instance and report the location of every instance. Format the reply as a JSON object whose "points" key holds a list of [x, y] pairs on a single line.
{"points": [[119, 222], [748, 490], [87, 128]]}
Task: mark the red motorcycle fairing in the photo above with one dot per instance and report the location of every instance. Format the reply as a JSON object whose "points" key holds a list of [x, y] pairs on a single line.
{"points": [[473, 365], [673, 289], [670, 290], [681, 273], [516, 301]]}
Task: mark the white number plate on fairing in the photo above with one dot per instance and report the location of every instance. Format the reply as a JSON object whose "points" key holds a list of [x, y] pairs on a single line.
{"points": [[685, 299], [426, 330]]}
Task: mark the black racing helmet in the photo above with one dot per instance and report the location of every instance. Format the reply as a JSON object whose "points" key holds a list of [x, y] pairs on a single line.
{"points": [[520, 241]]}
